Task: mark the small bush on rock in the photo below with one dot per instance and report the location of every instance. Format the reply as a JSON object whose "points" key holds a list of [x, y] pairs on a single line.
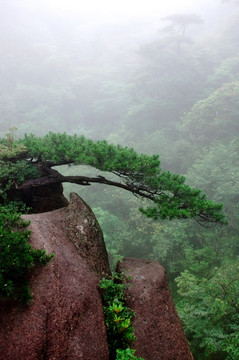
{"points": [[17, 257], [120, 332]]}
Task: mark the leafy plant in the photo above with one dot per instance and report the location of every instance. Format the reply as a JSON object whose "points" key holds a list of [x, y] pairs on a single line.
{"points": [[15, 173], [120, 332], [13, 168], [126, 354], [17, 257], [209, 310], [9, 148]]}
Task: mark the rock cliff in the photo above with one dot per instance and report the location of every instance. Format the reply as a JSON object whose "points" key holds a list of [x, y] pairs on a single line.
{"points": [[157, 327], [65, 320]]}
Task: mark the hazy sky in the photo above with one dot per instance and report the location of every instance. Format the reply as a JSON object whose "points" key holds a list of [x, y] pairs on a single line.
{"points": [[117, 7], [124, 6]]}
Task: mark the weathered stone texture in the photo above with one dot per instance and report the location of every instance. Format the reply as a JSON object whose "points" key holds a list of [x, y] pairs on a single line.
{"points": [[157, 327], [85, 232], [65, 320]]}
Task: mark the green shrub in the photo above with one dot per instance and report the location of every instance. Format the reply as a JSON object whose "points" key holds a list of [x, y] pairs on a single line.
{"points": [[126, 354], [120, 332], [17, 257]]}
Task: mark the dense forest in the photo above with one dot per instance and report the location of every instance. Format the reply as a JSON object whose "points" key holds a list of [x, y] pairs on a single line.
{"points": [[174, 92]]}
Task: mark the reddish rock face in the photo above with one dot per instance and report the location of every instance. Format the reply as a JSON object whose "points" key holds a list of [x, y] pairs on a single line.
{"points": [[85, 232], [157, 327], [65, 320]]}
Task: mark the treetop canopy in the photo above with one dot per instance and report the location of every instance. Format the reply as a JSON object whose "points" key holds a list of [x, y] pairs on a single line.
{"points": [[140, 174]]}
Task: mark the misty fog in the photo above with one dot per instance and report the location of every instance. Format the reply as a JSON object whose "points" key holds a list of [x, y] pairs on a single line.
{"points": [[69, 71], [163, 79]]}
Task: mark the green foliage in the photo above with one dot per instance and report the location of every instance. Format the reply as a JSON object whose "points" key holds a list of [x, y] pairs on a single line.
{"points": [[227, 72], [216, 171], [9, 149], [13, 169], [209, 310], [215, 117], [146, 107], [63, 148], [11, 153], [141, 174], [17, 257], [118, 317], [129, 233], [126, 354], [114, 231], [183, 202], [15, 173]]}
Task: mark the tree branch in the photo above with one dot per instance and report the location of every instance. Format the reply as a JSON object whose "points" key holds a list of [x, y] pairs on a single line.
{"points": [[55, 177]]}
